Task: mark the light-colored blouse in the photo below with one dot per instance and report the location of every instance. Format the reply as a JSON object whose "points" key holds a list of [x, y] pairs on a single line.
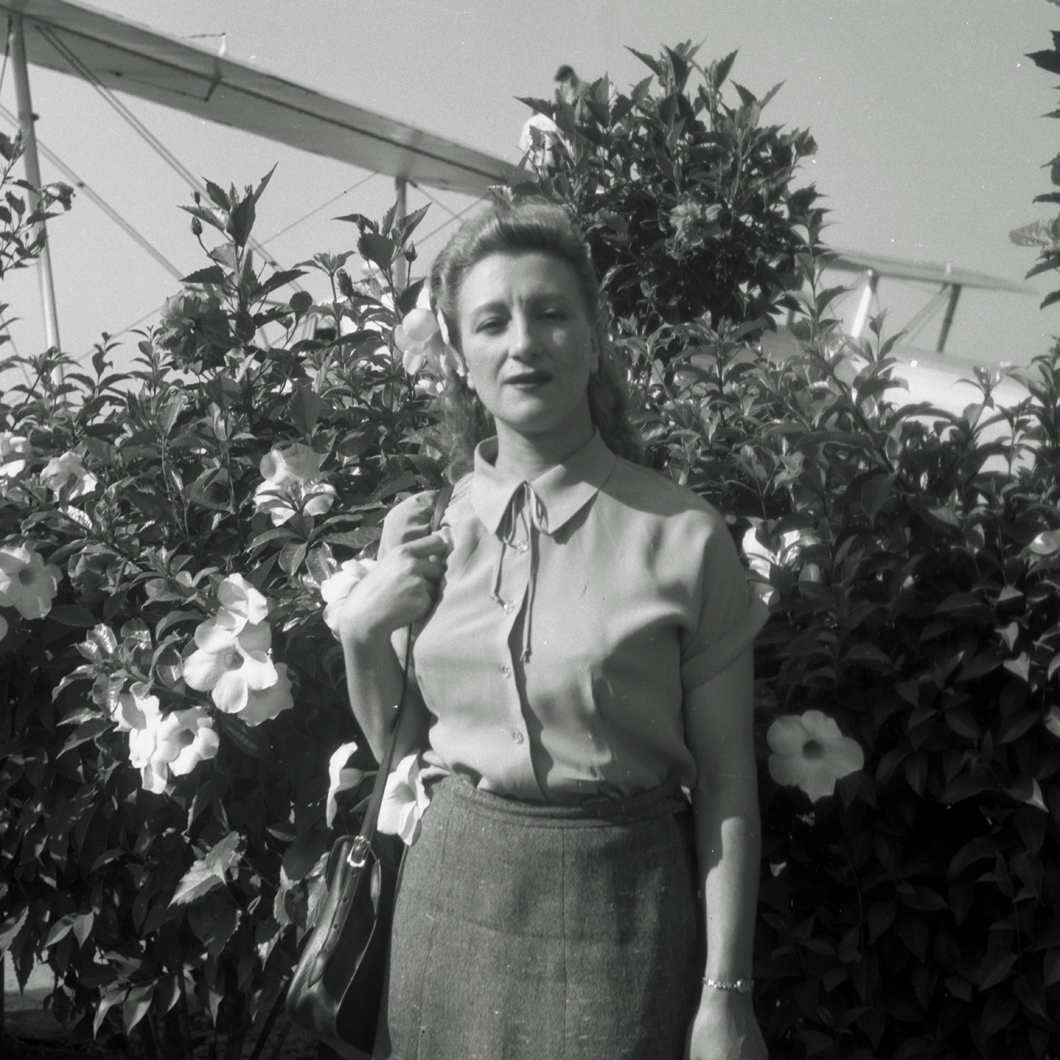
{"points": [[576, 612]]}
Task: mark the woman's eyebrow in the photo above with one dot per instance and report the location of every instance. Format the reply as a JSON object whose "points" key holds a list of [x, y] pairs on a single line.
{"points": [[498, 306]]}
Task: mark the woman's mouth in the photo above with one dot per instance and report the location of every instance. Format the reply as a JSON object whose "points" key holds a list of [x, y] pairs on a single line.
{"points": [[530, 378]]}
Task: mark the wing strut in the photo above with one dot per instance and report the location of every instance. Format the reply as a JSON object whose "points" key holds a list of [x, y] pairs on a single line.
{"points": [[32, 163], [947, 320]]}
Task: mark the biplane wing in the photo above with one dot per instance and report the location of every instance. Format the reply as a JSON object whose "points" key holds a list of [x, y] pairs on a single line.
{"points": [[75, 39], [950, 279]]}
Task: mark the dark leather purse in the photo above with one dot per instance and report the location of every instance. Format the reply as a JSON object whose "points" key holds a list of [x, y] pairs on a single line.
{"points": [[337, 987]]}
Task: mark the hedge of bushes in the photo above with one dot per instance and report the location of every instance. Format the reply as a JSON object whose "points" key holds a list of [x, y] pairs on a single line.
{"points": [[172, 695]]}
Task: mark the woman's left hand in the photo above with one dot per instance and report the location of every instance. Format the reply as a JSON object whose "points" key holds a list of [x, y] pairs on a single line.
{"points": [[725, 1028]]}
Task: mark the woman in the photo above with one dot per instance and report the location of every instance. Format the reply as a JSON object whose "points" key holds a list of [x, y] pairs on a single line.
{"points": [[586, 654]]}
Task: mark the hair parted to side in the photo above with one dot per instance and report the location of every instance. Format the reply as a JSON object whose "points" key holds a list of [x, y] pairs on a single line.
{"points": [[526, 227]]}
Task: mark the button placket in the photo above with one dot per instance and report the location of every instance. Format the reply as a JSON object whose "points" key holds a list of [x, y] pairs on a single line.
{"points": [[514, 585]]}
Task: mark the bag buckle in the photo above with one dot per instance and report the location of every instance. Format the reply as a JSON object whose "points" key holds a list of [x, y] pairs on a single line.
{"points": [[358, 854]]}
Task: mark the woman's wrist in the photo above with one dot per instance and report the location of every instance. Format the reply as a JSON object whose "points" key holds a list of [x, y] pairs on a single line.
{"points": [[729, 984]]}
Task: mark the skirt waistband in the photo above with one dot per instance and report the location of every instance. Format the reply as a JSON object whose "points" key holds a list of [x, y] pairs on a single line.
{"points": [[663, 801]]}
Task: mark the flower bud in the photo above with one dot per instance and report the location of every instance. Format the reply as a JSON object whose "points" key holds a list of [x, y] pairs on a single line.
{"points": [[196, 227], [345, 283]]}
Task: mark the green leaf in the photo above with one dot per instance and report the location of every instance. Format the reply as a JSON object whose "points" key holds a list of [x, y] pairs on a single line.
{"points": [[291, 556], [980, 847], [211, 274], [1052, 720], [210, 871], [722, 69], [264, 183], [137, 1004], [250, 741], [648, 61], [1051, 968], [1026, 789], [1046, 543], [86, 731], [214, 921], [306, 407], [965, 787], [106, 1003], [241, 221], [881, 917], [304, 853], [409, 297], [377, 249], [72, 615], [10, 928], [218, 194]]}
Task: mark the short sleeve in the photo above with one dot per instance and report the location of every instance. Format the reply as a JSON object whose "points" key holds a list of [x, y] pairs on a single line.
{"points": [[730, 612]]}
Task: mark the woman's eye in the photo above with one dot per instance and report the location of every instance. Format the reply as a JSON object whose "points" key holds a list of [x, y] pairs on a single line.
{"points": [[491, 325]]}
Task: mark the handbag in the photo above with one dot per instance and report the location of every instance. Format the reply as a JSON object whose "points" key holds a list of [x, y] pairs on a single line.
{"points": [[337, 987]]}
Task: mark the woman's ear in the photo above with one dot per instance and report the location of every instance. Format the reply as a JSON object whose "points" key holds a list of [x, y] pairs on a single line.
{"points": [[594, 353]]}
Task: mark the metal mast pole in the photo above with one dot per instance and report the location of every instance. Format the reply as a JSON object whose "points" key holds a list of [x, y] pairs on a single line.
{"points": [[32, 164], [401, 267]]}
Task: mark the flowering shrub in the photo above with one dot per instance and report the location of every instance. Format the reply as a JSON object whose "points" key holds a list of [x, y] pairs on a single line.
{"points": [[686, 198], [169, 540], [176, 747]]}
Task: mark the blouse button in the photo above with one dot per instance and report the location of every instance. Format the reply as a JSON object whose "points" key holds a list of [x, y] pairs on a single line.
{"points": [[517, 736], [521, 547], [509, 608], [506, 670]]}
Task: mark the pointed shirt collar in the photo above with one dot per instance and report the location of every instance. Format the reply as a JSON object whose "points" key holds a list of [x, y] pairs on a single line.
{"points": [[563, 490]]}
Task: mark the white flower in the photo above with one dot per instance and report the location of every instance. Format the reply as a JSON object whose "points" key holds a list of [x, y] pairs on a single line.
{"points": [[266, 703], [283, 502], [12, 447], [423, 344], [27, 583], [67, 471], [295, 462], [171, 745], [540, 141], [292, 474], [340, 778], [338, 587], [811, 753], [404, 801], [240, 604], [230, 664]]}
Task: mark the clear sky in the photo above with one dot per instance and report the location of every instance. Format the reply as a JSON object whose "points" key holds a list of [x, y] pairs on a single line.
{"points": [[927, 116]]}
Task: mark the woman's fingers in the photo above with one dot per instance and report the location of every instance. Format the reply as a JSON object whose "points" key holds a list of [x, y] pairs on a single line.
{"points": [[438, 544]]}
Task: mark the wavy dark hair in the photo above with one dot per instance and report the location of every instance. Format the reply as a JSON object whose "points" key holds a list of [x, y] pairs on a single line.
{"points": [[523, 228]]}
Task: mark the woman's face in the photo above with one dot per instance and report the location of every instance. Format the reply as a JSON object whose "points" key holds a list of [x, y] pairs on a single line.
{"points": [[528, 345]]}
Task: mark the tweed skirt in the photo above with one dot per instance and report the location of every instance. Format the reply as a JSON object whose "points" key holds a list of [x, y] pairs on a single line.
{"points": [[531, 932]]}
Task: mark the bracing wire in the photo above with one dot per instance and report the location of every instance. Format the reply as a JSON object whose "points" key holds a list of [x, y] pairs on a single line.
{"points": [[137, 125], [7, 52], [449, 220], [322, 206], [102, 203], [437, 202], [918, 321]]}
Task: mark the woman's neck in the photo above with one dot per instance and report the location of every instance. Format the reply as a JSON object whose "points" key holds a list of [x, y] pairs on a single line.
{"points": [[528, 456]]}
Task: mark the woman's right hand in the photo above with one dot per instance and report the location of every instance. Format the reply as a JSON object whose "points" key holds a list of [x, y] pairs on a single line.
{"points": [[400, 589]]}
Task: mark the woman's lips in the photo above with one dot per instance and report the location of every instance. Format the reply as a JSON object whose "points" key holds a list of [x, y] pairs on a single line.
{"points": [[533, 378]]}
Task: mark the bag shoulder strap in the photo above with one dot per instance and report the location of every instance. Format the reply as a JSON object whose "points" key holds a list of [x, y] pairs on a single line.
{"points": [[371, 813]]}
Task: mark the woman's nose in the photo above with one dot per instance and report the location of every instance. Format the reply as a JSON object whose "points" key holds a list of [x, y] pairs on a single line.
{"points": [[523, 339]]}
